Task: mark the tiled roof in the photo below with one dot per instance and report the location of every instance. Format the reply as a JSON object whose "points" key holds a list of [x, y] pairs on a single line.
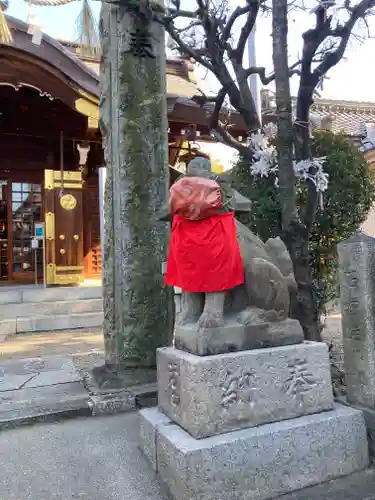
{"points": [[348, 117]]}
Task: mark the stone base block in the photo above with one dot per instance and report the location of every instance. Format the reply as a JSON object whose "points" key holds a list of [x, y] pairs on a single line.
{"points": [[233, 337], [150, 420], [369, 416], [109, 404], [258, 463], [215, 394]]}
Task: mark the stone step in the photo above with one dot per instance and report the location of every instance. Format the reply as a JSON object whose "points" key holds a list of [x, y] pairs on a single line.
{"points": [[10, 295], [42, 404], [50, 323], [48, 308], [33, 389]]}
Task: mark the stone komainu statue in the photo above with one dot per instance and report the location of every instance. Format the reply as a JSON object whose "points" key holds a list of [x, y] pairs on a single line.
{"points": [[261, 293]]}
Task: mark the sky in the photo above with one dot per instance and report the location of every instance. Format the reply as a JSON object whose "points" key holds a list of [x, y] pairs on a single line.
{"points": [[352, 79]]}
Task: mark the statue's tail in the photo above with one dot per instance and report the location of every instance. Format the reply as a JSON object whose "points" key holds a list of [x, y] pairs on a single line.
{"points": [[277, 250]]}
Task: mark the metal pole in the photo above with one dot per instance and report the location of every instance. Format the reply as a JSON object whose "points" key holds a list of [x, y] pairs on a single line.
{"points": [[36, 266], [44, 262], [254, 79], [62, 162]]}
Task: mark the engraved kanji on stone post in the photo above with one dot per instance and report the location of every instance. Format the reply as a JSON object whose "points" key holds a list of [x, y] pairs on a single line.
{"points": [[357, 292]]}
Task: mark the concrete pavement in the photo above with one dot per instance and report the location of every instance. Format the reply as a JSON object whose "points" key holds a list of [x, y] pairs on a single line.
{"points": [[41, 375], [49, 376], [99, 459], [40, 388], [82, 343], [88, 459]]}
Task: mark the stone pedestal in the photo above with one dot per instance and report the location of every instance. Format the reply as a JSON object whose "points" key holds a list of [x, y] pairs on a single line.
{"points": [[250, 425], [233, 336], [215, 394]]}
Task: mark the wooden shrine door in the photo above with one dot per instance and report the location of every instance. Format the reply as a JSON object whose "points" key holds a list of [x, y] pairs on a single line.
{"points": [[64, 227]]}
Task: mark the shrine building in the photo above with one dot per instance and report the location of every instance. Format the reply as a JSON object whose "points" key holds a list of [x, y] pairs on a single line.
{"points": [[51, 156]]}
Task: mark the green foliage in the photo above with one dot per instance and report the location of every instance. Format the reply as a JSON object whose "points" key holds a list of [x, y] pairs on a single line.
{"points": [[347, 201]]}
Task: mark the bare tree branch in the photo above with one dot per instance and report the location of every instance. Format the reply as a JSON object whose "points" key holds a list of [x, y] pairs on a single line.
{"points": [[332, 58], [186, 49], [225, 137], [236, 14], [213, 53], [189, 27], [214, 122], [246, 30], [310, 79], [174, 13], [216, 126], [266, 80]]}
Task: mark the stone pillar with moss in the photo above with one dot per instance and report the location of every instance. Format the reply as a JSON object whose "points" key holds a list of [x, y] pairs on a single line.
{"points": [[138, 308]]}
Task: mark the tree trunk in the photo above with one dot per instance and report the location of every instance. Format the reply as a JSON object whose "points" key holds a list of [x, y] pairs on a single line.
{"points": [[287, 193], [296, 233], [138, 308], [304, 305], [304, 101]]}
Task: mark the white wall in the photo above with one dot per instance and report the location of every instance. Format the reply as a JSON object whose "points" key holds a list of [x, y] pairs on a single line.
{"points": [[369, 225]]}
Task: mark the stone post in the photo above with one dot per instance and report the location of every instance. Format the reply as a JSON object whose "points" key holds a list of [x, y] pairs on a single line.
{"points": [[137, 306], [357, 292]]}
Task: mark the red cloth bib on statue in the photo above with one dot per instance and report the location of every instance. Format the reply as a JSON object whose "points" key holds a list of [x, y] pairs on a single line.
{"points": [[204, 255]]}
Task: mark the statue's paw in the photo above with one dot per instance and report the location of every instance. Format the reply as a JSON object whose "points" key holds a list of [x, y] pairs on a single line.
{"points": [[255, 316], [250, 316], [186, 318], [210, 320], [180, 320], [275, 316]]}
